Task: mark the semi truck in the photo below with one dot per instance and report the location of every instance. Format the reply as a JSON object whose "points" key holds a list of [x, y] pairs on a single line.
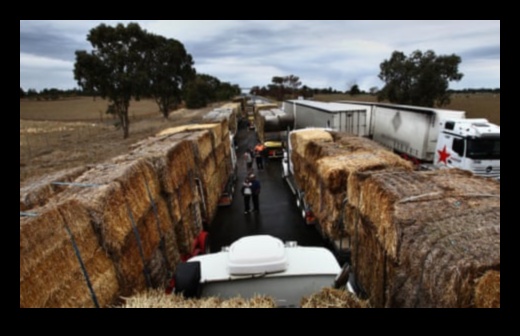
{"points": [[271, 130], [431, 138], [262, 265]]}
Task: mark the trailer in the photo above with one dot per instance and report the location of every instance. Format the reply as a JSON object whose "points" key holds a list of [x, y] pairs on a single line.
{"points": [[349, 118], [436, 138], [271, 130]]}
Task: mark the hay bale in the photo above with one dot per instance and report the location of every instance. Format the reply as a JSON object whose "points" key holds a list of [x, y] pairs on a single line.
{"points": [[333, 298], [218, 129], [38, 192], [50, 272], [439, 239], [157, 299], [487, 290], [118, 186], [300, 139]]}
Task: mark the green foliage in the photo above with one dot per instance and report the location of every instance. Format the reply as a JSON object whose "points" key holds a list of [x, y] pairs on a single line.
{"points": [[115, 69], [354, 90], [421, 79], [22, 93], [169, 69], [205, 89]]}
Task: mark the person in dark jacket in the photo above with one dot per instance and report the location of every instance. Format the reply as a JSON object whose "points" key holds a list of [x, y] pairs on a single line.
{"points": [[255, 188]]}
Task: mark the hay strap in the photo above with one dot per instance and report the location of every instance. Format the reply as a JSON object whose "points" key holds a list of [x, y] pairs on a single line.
{"points": [[140, 247], [83, 269], [162, 245], [88, 185]]}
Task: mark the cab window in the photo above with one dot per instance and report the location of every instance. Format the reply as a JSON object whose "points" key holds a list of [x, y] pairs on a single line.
{"points": [[458, 146]]}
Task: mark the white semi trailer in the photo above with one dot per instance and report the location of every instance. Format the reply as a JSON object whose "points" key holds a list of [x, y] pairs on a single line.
{"points": [[430, 137]]}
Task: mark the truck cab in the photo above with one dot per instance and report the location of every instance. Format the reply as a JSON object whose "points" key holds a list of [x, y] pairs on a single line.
{"points": [[261, 265], [471, 144]]}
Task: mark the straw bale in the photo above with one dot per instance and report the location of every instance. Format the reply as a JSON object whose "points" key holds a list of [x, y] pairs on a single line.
{"points": [[300, 139], [39, 191], [203, 142], [439, 240], [373, 271], [333, 298], [121, 185], [218, 129], [405, 199], [50, 272], [158, 299], [159, 260], [487, 290]]}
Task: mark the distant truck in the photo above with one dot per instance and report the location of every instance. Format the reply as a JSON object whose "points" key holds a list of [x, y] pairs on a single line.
{"points": [[431, 138], [262, 265], [271, 130]]}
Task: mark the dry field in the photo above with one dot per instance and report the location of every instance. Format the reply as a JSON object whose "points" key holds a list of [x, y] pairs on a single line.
{"points": [[61, 134], [479, 105]]}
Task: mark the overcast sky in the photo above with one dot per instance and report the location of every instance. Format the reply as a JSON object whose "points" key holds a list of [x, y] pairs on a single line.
{"points": [[323, 54]]}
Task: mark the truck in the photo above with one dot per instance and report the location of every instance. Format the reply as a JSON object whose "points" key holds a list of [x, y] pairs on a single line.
{"points": [[271, 130], [262, 265], [431, 138]]}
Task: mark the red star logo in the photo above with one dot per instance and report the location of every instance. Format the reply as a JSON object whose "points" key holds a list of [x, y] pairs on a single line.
{"points": [[444, 155]]}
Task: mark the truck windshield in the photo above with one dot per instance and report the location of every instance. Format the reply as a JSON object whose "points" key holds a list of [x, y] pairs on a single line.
{"points": [[483, 149]]}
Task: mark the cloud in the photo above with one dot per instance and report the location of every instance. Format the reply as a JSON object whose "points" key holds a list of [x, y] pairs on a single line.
{"points": [[323, 53]]}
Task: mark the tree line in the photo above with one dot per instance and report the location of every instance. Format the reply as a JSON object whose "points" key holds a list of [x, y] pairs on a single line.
{"points": [[420, 79]]}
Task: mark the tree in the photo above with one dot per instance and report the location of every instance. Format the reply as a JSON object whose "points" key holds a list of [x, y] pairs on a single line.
{"points": [[293, 83], [22, 93], [373, 90], [169, 69], [115, 68], [354, 90], [277, 88], [421, 79]]}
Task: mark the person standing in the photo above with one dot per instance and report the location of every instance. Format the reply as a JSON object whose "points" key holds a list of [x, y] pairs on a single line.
{"points": [[259, 156], [249, 160], [247, 192], [255, 189]]}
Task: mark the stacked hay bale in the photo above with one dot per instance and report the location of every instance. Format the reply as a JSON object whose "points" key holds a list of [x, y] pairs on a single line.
{"points": [[132, 216], [323, 162], [61, 261], [425, 239], [122, 198], [211, 147], [157, 299], [257, 107], [236, 108], [37, 192], [333, 298], [223, 113], [241, 106]]}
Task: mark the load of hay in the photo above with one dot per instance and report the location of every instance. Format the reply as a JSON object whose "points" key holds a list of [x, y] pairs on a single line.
{"points": [[157, 299], [53, 246], [487, 290], [131, 218], [38, 192], [333, 298], [423, 239], [323, 162]]}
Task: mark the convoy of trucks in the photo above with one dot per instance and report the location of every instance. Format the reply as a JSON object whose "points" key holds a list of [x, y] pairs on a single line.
{"points": [[263, 264], [431, 138]]}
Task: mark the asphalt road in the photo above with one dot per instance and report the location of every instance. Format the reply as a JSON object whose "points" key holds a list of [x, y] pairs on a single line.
{"points": [[278, 215]]}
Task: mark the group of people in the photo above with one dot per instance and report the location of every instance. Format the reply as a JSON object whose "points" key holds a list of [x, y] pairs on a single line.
{"points": [[259, 155], [251, 186], [251, 190]]}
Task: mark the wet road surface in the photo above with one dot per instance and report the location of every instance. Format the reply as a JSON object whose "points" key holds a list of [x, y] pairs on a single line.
{"points": [[278, 215]]}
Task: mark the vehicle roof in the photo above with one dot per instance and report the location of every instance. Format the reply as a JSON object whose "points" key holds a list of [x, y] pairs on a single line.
{"points": [[300, 261], [330, 107]]}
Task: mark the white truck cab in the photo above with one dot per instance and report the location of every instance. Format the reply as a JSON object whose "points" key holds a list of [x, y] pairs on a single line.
{"points": [[261, 265], [471, 144]]}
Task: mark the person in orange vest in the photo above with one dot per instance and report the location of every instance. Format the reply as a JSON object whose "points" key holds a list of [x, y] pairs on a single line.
{"points": [[259, 148]]}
